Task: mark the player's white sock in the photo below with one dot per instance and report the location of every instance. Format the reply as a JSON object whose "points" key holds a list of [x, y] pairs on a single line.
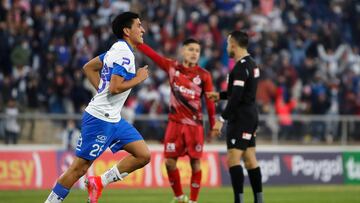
{"points": [[53, 198], [112, 175], [180, 197]]}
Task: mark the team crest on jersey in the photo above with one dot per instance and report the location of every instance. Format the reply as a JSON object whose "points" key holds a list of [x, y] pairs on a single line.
{"points": [[197, 80], [177, 73]]}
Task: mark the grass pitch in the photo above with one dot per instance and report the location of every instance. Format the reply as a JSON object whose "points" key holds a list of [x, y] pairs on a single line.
{"points": [[272, 194]]}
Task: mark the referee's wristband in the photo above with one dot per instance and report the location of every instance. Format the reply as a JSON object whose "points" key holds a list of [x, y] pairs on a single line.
{"points": [[221, 119]]}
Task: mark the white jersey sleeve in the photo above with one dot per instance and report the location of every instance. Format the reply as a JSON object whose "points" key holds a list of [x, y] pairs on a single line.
{"points": [[119, 60]]}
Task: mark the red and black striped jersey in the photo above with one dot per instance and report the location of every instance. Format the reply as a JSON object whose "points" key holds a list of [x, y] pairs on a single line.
{"points": [[188, 85]]}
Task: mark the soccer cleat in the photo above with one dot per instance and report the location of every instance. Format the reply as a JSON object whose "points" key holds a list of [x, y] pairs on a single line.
{"points": [[94, 187], [182, 199]]}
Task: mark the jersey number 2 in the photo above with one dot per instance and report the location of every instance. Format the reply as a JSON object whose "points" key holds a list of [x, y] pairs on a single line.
{"points": [[96, 151]]}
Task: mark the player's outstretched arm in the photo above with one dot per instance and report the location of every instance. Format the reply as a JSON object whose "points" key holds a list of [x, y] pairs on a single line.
{"points": [[118, 84], [163, 62], [91, 70], [210, 105]]}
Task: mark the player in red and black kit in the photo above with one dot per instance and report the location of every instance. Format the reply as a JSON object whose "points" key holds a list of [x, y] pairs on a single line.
{"points": [[242, 116], [185, 133]]}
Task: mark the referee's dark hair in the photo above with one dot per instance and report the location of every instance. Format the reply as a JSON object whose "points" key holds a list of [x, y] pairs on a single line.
{"points": [[124, 20], [240, 37], [190, 41]]}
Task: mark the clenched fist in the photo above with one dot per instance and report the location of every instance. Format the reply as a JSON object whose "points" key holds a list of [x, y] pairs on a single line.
{"points": [[213, 96], [142, 73]]}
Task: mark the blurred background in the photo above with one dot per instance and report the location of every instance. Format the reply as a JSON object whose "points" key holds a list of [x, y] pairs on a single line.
{"points": [[308, 52], [308, 95]]}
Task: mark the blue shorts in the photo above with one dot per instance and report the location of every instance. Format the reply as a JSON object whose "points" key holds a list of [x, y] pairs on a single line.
{"points": [[97, 135]]}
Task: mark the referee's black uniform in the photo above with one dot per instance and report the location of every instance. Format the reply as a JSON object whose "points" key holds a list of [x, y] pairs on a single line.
{"points": [[241, 111]]}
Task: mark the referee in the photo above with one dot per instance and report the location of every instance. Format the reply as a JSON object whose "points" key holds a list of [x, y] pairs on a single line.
{"points": [[242, 116]]}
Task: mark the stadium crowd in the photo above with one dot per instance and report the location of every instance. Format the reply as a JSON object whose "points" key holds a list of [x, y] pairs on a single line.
{"points": [[308, 51]]}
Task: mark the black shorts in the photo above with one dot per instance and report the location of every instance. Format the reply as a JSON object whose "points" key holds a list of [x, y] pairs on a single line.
{"points": [[240, 135]]}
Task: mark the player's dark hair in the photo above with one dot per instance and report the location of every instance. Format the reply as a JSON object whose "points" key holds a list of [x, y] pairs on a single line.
{"points": [[190, 41], [123, 20], [240, 37]]}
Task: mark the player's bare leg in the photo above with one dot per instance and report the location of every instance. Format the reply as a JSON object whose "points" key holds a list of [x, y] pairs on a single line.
{"points": [[76, 170], [175, 182], [236, 173], [195, 183], [139, 156], [254, 173]]}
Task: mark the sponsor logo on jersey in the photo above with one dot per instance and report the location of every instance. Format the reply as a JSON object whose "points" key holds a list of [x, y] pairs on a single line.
{"points": [[233, 141], [184, 90], [197, 80]]}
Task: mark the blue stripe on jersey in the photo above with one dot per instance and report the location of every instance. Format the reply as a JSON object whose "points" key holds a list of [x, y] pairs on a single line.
{"points": [[121, 71], [106, 73], [101, 56]]}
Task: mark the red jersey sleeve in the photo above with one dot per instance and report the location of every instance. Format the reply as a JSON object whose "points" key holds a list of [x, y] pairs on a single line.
{"points": [[210, 105], [163, 62]]}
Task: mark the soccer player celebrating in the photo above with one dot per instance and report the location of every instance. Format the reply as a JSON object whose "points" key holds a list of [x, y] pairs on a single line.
{"points": [[113, 75], [185, 133], [242, 116]]}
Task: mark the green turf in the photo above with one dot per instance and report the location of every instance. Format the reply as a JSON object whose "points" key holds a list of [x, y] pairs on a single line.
{"points": [[273, 194]]}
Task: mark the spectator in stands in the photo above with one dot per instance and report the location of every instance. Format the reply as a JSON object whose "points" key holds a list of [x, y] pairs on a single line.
{"points": [[284, 108], [70, 136], [12, 127]]}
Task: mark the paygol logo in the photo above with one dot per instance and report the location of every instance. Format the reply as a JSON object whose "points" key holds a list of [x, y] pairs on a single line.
{"points": [[323, 169], [269, 168]]}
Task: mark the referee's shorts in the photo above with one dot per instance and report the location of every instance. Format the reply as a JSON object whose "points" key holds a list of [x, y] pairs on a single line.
{"points": [[241, 134]]}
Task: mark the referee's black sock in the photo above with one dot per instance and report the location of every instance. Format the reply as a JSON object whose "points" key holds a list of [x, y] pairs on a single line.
{"points": [[256, 184], [237, 181]]}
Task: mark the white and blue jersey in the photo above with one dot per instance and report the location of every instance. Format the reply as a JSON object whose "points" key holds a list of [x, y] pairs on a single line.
{"points": [[102, 126], [119, 60]]}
